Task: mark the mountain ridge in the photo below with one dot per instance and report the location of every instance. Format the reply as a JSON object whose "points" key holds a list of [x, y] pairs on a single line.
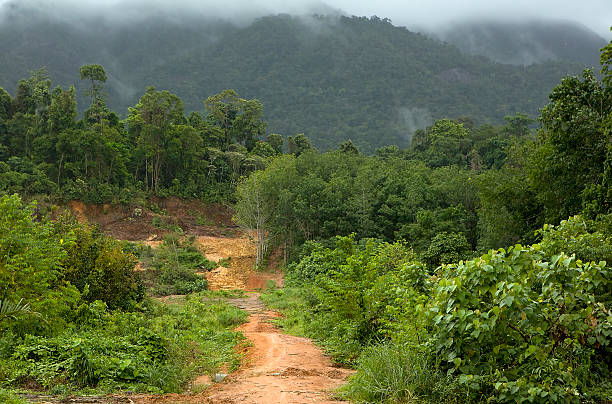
{"points": [[331, 77]]}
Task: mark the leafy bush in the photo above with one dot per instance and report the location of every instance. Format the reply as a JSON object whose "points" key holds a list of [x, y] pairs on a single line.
{"points": [[31, 256], [180, 281], [524, 324], [8, 397], [165, 224], [158, 352], [446, 248], [353, 294], [171, 267], [98, 266], [590, 240]]}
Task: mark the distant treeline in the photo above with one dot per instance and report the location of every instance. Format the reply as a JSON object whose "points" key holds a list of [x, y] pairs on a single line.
{"points": [[331, 78]]}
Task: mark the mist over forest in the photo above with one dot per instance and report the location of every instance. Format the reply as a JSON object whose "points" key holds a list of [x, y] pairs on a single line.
{"points": [[376, 202], [329, 76]]}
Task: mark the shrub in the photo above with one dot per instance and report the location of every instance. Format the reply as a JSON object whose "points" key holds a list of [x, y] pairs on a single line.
{"points": [[8, 397], [31, 256], [107, 351], [446, 248], [524, 325], [171, 267], [98, 266], [356, 293], [590, 240]]}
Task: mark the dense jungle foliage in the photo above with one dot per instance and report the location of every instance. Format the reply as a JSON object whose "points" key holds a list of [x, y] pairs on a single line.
{"points": [[333, 78], [472, 265], [522, 324], [480, 301], [157, 150]]}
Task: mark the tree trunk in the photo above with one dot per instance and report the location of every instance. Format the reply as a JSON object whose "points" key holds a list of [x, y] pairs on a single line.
{"points": [[59, 170]]}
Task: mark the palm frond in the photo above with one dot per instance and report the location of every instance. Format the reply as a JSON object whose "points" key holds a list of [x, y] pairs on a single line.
{"points": [[11, 310]]}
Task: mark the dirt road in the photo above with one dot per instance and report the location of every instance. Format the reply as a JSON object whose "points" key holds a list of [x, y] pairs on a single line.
{"points": [[279, 368]]}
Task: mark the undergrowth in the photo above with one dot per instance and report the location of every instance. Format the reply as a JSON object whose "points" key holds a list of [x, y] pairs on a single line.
{"points": [[171, 268], [158, 350], [523, 324], [391, 373], [8, 397]]}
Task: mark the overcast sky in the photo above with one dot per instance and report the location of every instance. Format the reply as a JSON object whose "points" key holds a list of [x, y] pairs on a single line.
{"points": [[429, 14]]}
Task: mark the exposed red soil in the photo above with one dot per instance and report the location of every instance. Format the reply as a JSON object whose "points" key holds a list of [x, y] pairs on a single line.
{"points": [[240, 273], [279, 368], [135, 223]]}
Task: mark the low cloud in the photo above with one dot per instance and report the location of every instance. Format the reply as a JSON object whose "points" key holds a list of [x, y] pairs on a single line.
{"points": [[429, 15]]}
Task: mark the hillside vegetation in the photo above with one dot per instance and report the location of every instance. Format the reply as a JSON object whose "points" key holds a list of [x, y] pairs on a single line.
{"points": [[472, 298], [526, 42], [472, 265], [332, 78]]}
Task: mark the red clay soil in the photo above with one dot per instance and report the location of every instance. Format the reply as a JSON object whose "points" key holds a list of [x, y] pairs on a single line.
{"points": [[240, 272], [278, 368], [134, 223]]}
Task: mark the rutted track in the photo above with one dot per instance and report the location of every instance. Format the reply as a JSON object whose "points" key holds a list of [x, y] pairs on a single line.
{"points": [[278, 368]]}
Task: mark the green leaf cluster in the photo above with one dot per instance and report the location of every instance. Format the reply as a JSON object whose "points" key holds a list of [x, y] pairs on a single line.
{"points": [[526, 323]]}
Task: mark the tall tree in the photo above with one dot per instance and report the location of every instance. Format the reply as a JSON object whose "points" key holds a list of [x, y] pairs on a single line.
{"points": [[30, 107], [151, 120], [299, 144], [255, 208], [599, 196], [97, 77], [241, 120], [572, 145]]}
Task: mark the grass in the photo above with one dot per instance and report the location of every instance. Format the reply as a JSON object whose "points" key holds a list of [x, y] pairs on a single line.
{"points": [[390, 373], [229, 294], [9, 397], [159, 350], [386, 373], [293, 304]]}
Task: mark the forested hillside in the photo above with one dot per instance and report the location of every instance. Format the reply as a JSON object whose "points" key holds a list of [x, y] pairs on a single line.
{"points": [[470, 264], [332, 78], [432, 314]]}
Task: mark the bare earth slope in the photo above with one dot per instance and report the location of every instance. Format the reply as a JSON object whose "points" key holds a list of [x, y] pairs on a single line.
{"points": [[278, 368]]}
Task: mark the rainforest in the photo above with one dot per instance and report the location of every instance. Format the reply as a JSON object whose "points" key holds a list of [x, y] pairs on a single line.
{"points": [[159, 252]]}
